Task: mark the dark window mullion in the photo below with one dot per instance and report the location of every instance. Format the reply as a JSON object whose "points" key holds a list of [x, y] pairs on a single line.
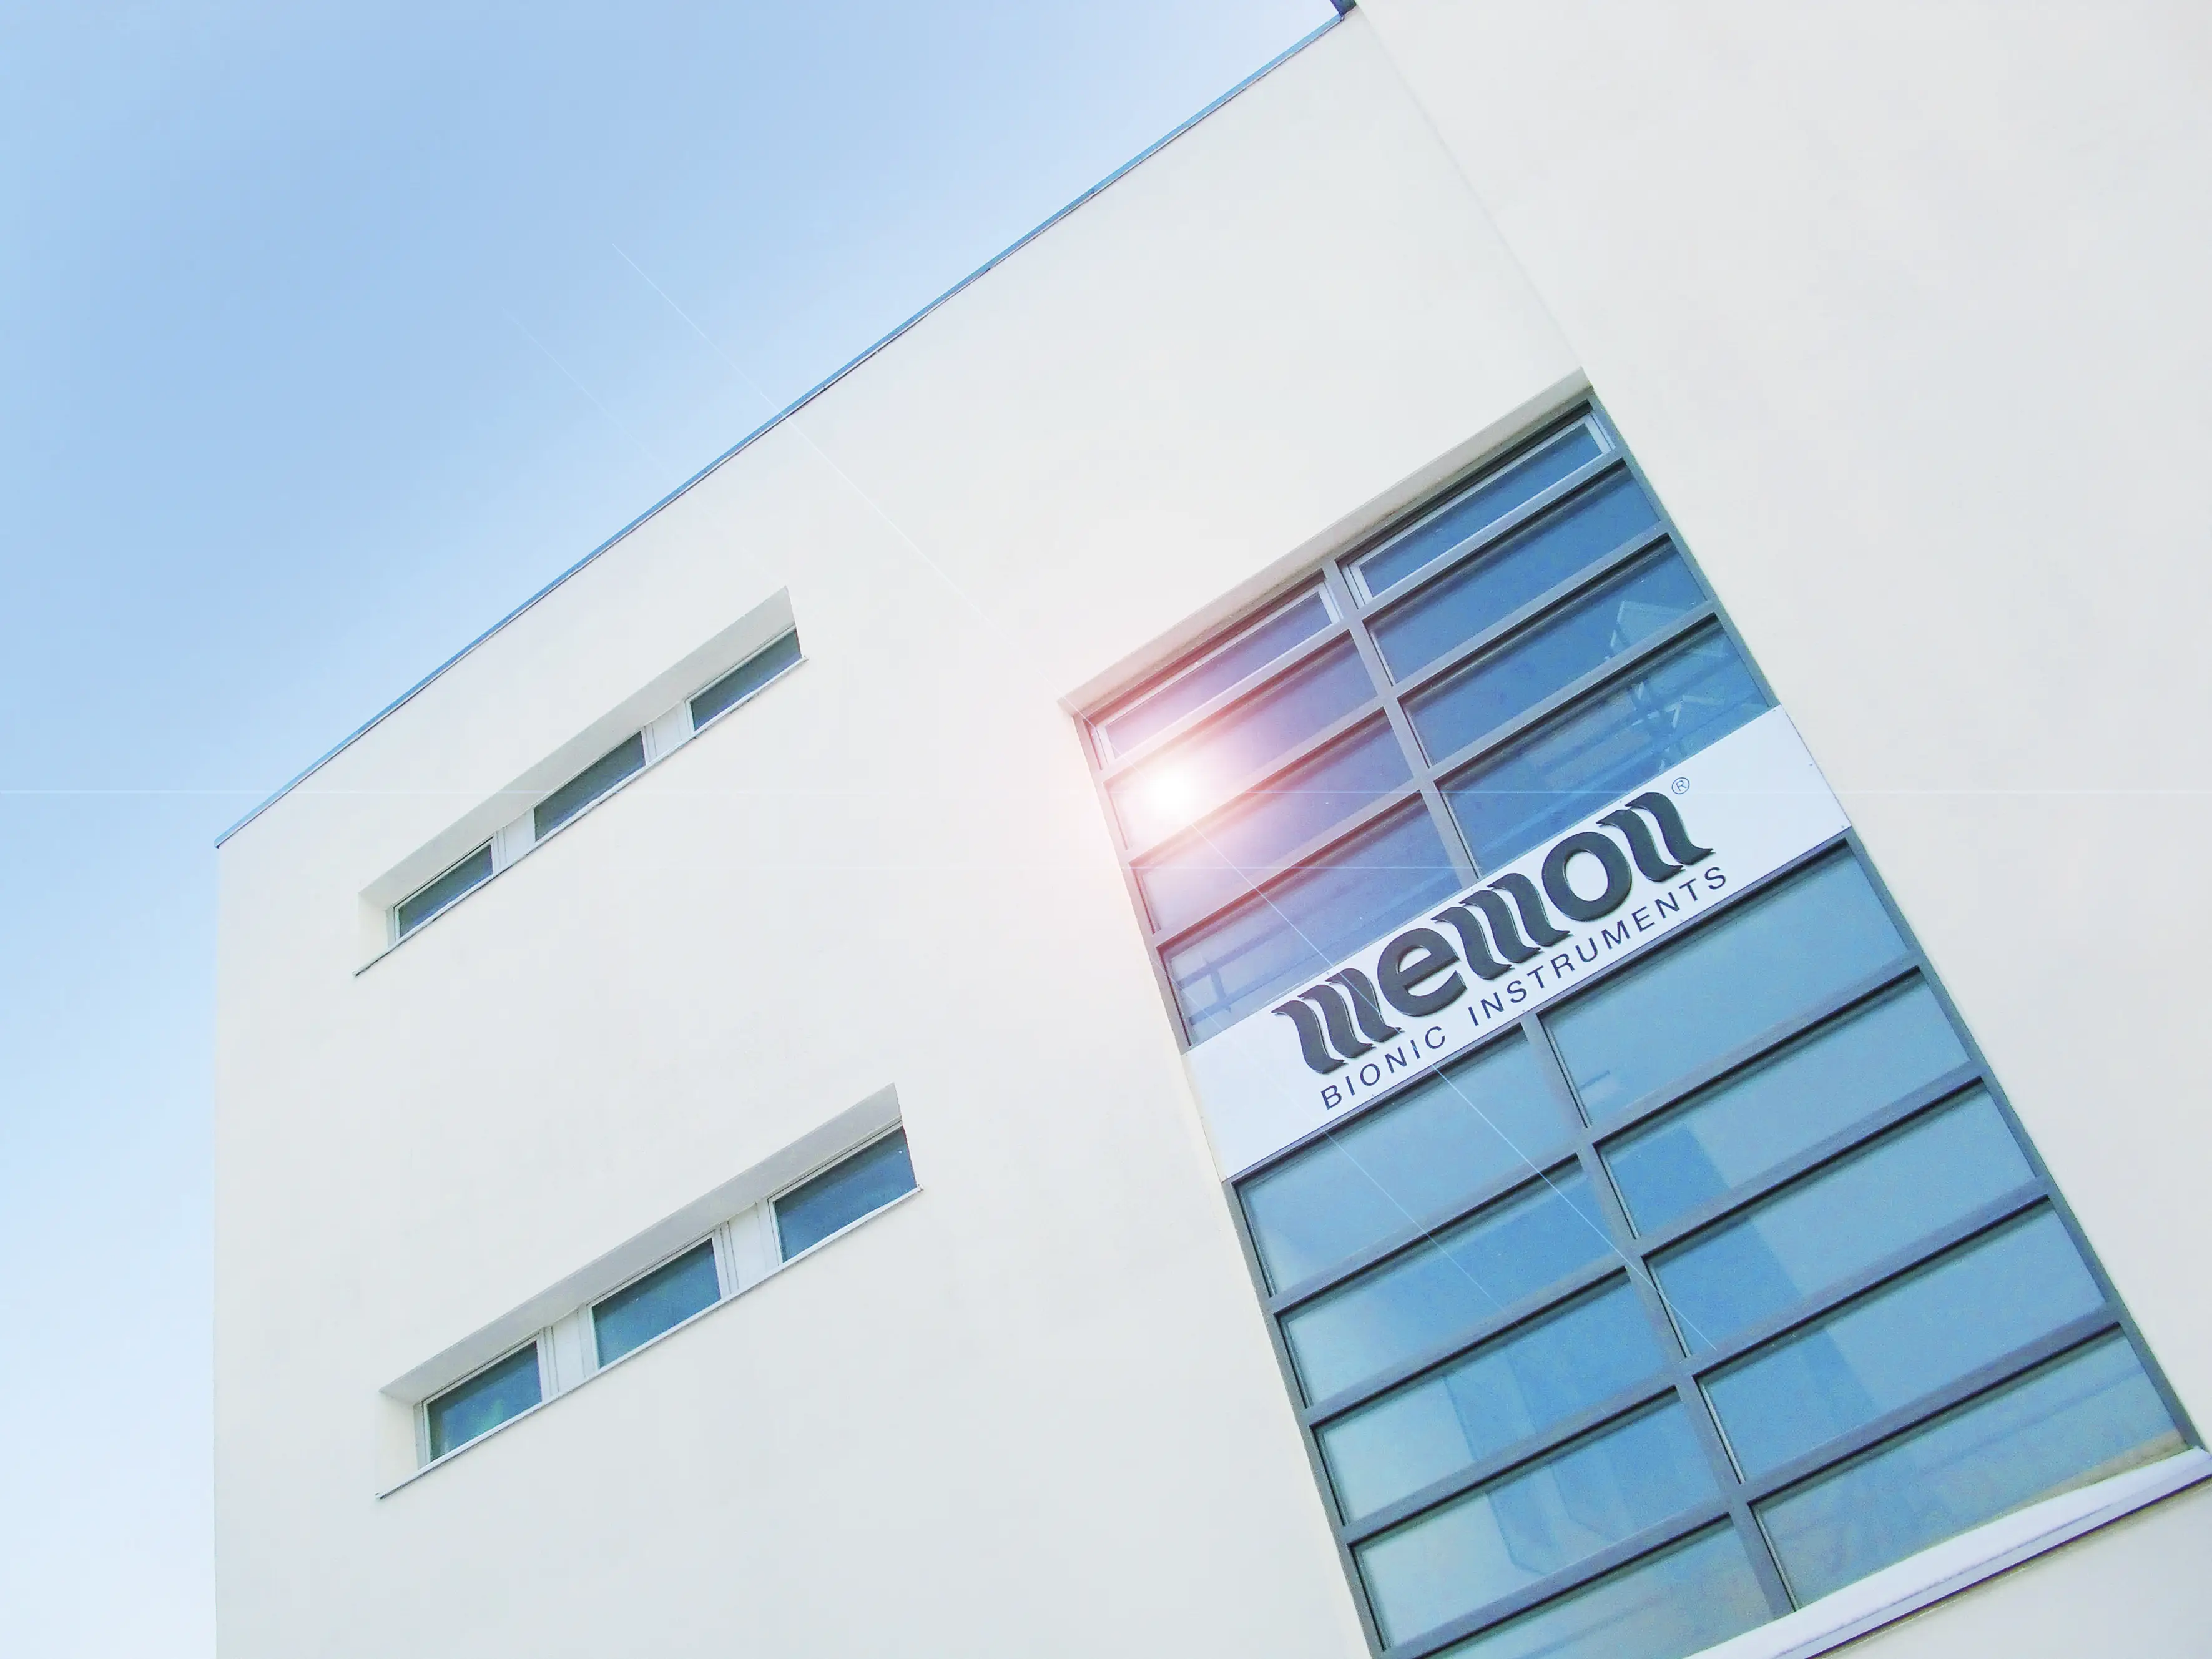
{"points": [[1439, 815]]}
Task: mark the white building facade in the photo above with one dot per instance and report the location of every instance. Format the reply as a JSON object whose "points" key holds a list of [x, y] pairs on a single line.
{"points": [[1435, 888]]}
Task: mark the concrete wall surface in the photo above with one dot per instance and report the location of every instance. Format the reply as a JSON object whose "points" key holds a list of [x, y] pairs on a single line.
{"points": [[1033, 1409]]}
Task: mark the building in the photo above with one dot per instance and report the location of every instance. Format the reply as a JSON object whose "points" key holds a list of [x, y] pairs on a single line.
{"points": [[1437, 887]]}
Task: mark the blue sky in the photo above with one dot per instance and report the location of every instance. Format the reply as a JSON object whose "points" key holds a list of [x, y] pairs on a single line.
{"points": [[317, 354]]}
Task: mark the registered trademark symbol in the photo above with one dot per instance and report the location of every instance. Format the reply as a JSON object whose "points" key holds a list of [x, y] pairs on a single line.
{"points": [[1680, 786]]}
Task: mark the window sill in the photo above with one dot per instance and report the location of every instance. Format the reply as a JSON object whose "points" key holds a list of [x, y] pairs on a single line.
{"points": [[649, 1344], [1970, 1558]]}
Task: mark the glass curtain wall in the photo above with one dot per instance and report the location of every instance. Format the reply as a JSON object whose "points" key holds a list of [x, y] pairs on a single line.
{"points": [[1722, 1283]]}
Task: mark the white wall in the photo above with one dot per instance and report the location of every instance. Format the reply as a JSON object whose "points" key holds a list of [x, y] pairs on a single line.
{"points": [[1902, 306], [1033, 1410]]}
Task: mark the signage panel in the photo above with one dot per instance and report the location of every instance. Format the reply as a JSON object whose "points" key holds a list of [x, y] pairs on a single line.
{"points": [[1610, 888]]}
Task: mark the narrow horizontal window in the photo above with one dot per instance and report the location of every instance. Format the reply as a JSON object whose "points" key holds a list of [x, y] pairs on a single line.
{"points": [[1473, 510], [436, 894], [666, 1297], [747, 677], [1682, 1600], [2082, 1419], [842, 1194], [588, 785], [487, 1399], [1215, 671]]}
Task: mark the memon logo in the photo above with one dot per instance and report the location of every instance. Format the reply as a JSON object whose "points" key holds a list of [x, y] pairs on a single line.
{"points": [[1493, 931]]}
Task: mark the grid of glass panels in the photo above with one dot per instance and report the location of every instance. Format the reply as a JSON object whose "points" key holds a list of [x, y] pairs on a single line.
{"points": [[1715, 1286], [1697, 1296], [1424, 709]]}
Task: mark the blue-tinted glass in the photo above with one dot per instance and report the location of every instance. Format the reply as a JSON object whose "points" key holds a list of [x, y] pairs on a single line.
{"points": [[1456, 1560], [1597, 752], [1429, 1151], [1680, 1602], [1519, 1385], [1726, 983], [1809, 1235], [1447, 1286], [747, 677], [1245, 655], [2078, 1421], [484, 1401], [1218, 860], [1194, 774], [1483, 592], [1309, 920], [666, 1297], [1507, 683], [843, 1194], [588, 785], [1974, 1306], [1476, 509], [426, 901], [1759, 1119]]}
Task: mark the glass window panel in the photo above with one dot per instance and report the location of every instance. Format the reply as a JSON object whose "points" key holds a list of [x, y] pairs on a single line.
{"points": [[1220, 860], [1679, 1602], [1735, 1133], [1477, 509], [1307, 920], [588, 785], [1974, 1306], [1600, 750], [666, 1297], [1507, 683], [1483, 592], [747, 677], [1446, 1287], [425, 901], [1458, 1559], [1809, 1236], [1196, 773], [1726, 983], [1238, 660], [2083, 1418], [841, 1194], [484, 1401], [1521, 1384], [1429, 1150]]}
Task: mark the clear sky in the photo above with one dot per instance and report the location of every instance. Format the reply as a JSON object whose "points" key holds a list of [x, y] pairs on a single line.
{"points": [[319, 351]]}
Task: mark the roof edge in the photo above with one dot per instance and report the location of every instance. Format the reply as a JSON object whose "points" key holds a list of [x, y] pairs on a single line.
{"points": [[778, 419]]}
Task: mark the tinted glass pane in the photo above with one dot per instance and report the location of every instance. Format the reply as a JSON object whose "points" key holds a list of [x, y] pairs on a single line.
{"points": [[484, 1401], [1519, 1385], [841, 1195], [1159, 710], [1727, 982], [1599, 751], [2073, 1423], [747, 677], [1480, 507], [1667, 1605], [1429, 1151], [1461, 604], [666, 1297], [1456, 1559], [1309, 920], [1761, 1118], [1509, 682], [1196, 773], [1809, 1235], [1975, 1306], [588, 785], [1447, 1286], [426, 901], [1221, 858]]}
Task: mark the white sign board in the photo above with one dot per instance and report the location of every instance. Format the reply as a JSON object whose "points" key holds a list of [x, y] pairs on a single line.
{"points": [[1609, 888]]}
